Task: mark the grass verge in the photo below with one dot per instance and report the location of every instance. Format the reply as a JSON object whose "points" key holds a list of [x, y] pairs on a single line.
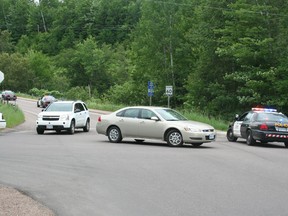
{"points": [[12, 114]]}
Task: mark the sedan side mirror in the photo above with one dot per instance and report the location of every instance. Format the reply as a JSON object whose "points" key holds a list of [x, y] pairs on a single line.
{"points": [[154, 118], [236, 116]]}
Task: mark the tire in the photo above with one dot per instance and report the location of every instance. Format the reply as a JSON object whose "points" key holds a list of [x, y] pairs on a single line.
{"points": [[72, 127], [40, 131], [230, 135], [250, 140], [174, 138], [87, 126], [286, 144], [114, 134]]}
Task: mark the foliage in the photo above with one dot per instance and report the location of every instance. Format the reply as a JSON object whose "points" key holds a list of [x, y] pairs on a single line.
{"points": [[77, 93], [12, 114], [220, 56]]}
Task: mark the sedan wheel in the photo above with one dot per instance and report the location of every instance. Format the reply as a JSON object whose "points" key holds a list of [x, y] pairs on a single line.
{"points": [[250, 140], [114, 134], [174, 138], [230, 136]]}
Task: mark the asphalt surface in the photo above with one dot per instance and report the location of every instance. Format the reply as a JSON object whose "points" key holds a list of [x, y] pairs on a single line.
{"points": [[84, 174]]}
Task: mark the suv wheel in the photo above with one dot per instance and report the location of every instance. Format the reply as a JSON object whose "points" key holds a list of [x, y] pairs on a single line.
{"points": [[72, 127], [87, 126], [40, 131]]}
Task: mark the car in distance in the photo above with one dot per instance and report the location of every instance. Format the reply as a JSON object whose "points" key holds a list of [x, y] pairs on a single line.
{"points": [[45, 101], [2, 121], [9, 95], [64, 115], [259, 125], [143, 122]]}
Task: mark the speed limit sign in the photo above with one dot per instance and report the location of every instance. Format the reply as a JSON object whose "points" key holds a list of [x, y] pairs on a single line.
{"points": [[169, 90]]}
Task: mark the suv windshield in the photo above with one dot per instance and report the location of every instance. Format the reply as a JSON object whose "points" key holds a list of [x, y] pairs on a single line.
{"points": [[59, 107], [170, 115]]}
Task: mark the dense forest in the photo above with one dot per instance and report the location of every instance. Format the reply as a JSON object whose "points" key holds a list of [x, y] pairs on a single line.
{"points": [[220, 56]]}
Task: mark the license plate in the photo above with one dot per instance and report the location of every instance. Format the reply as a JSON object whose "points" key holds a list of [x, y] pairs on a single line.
{"points": [[211, 136], [282, 129], [49, 126]]}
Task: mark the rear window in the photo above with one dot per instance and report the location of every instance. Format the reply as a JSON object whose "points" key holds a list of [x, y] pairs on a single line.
{"points": [[277, 117]]}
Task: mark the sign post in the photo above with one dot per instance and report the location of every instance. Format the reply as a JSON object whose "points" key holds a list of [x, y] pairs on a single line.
{"points": [[150, 91], [169, 93], [1, 77]]}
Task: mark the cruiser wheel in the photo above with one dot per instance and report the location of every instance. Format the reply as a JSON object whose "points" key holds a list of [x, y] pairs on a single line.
{"points": [[230, 136], [250, 140]]}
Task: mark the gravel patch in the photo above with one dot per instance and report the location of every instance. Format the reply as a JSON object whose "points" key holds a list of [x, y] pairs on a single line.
{"points": [[15, 203]]}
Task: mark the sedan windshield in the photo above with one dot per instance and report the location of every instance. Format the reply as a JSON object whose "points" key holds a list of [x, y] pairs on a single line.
{"points": [[59, 107], [170, 115]]}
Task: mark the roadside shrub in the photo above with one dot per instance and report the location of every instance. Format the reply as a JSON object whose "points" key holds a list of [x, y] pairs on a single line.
{"points": [[78, 93]]}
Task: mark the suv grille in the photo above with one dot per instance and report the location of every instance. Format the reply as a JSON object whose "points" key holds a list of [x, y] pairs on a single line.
{"points": [[51, 118]]}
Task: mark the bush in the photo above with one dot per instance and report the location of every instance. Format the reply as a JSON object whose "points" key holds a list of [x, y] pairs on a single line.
{"points": [[12, 114]]}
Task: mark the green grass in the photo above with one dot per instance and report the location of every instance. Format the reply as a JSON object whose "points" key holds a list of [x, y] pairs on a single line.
{"points": [[12, 114], [217, 123]]}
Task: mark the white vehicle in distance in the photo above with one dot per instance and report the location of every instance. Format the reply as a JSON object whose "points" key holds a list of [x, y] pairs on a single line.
{"points": [[145, 122], [2, 121], [64, 115]]}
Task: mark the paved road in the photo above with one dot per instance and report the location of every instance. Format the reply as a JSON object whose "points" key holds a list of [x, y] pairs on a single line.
{"points": [[84, 174]]}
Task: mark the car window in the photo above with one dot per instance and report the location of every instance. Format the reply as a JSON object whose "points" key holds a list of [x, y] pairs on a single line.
{"points": [[249, 116], [170, 115], [79, 106], [242, 117], [131, 113], [85, 106], [147, 114]]}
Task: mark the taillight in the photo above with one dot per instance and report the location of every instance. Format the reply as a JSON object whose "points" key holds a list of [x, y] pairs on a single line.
{"points": [[263, 127], [99, 119]]}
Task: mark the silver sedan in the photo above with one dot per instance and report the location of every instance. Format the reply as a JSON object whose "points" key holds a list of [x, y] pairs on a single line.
{"points": [[145, 122]]}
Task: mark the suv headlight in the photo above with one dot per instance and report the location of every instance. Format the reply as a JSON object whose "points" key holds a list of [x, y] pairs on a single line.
{"points": [[64, 117]]}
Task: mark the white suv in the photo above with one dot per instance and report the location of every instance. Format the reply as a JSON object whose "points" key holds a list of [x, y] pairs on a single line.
{"points": [[64, 115]]}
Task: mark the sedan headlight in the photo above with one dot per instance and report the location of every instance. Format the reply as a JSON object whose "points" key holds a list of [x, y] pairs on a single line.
{"points": [[191, 129]]}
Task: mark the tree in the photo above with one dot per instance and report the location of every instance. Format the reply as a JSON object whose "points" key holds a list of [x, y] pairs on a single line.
{"points": [[6, 44], [17, 74], [248, 39]]}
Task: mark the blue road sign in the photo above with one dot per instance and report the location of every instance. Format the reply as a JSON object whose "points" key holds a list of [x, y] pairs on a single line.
{"points": [[150, 88]]}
